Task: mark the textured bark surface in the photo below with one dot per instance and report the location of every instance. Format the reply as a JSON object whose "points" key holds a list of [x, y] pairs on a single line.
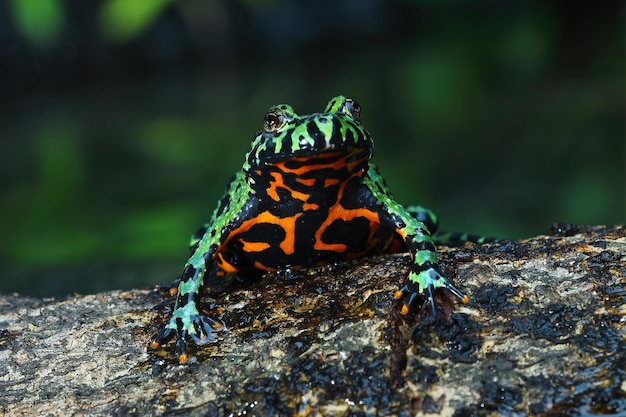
{"points": [[544, 334]]}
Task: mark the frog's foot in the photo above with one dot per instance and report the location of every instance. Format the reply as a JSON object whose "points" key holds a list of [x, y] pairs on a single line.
{"points": [[198, 327], [424, 283]]}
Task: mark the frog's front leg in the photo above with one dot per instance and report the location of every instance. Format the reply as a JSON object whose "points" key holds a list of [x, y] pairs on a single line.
{"points": [[188, 321], [424, 276]]}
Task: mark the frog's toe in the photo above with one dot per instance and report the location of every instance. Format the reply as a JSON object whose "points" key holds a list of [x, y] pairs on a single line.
{"points": [[205, 328], [199, 327], [165, 335], [456, 292], [424, 283], [410, 293]]}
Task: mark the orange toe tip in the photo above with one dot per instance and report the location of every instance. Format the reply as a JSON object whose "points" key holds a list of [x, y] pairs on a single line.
{"points": [[405, 310], [183, 358], [398, 294], [217, 326], [155, 345], [465, 299], [173, 291]]}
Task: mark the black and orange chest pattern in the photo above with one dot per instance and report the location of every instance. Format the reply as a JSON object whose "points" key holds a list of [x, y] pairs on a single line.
{"points": [[310, 212], [306, 195]]}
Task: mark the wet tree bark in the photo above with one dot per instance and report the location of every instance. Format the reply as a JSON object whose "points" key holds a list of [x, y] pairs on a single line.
{"points": [[545, 333]]}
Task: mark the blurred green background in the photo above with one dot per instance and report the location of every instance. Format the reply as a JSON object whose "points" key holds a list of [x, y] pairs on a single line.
{"points": [[121, 121]]}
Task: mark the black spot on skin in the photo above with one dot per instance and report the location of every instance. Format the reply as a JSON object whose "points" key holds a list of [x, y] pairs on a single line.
{"points": [[314, 132], [427, 246], [424, 267], [349, 136], [353, 233]]}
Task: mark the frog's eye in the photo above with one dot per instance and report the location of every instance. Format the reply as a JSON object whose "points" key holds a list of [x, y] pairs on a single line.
{"points": [[274, 121], [352, 109]]}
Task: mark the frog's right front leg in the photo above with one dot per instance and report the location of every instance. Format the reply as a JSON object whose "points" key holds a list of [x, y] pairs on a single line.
{"points": [[187, 320]]}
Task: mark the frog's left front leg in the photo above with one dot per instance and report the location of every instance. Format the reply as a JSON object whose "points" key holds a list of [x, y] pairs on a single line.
{"points": [[424, 276]]}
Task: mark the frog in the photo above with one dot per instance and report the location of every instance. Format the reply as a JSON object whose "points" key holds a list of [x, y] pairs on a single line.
{"points": [[307, 195]]}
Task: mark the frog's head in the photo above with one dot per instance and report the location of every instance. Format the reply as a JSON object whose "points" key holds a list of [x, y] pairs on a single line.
{"points": [[288, 136]]}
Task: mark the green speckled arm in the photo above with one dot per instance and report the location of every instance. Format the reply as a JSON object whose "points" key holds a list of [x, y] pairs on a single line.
{"points": [[424, 276], [187, 320]]}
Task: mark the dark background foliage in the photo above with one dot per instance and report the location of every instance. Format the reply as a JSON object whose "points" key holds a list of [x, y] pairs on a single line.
{"points": [[120, 121]]}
